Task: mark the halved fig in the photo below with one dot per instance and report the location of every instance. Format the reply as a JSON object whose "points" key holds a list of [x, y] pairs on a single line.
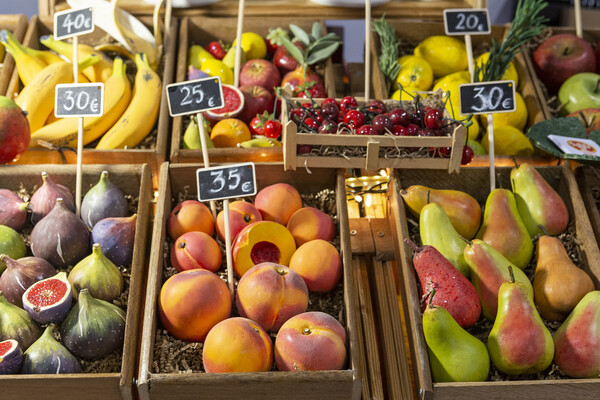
{"points": [[11, 357], [49, 300]]}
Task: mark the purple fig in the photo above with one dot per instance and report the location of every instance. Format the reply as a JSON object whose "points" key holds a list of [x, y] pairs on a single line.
{"points": [[11, 357], [48, 356], [116, 236], [48, 301], [102, 201], [97, 274], [60, 237], [195, 73], [22, 273], [16, 324], [43, 200], [13, 210]]}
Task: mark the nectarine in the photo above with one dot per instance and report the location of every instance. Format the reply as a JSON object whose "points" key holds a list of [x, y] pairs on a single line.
{"points": [[188, 216], [196, 250], [309, 223], [241, 214], [278, 202], [319, 264]]}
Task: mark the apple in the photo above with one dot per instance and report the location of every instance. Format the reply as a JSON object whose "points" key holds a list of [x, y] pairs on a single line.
{"points": [[560, 57], [257, 100], [284, 61], [260, 72], [589, 117], [580, 91]]}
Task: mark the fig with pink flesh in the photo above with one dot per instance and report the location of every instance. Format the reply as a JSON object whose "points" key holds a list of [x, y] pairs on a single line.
{"points": [[102, 201], [13, 210], [48, 356], [60, 237], [97, 274], [43, 200], [22, 273], [116, 235], [49, 300], [15, 323], [11, 357]]}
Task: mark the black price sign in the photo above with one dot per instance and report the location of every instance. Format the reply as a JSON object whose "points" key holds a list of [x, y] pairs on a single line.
{"points": [[233, 180], [467, 21], [73, 22], [487, 97], [79, 100], [192, 97]]}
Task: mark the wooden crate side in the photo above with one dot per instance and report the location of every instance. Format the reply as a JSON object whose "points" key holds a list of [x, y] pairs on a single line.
{"points": [[62, 386], [588, 178], [17, 25]]}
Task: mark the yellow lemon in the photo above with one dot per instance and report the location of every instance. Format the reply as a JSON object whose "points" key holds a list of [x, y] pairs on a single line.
{"points": [[197, 55], [445, 54], [517, 118], [510, 73], [404, 96], [509, 141], [415, 72], [218, 68], [451, 83], [253, 45]]}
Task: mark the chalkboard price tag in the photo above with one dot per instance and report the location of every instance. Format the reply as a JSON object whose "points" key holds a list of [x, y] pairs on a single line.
{"points": [[79, 100], [487, 97], [192, 97], [467, 21], [226, 182], [71, 23]]}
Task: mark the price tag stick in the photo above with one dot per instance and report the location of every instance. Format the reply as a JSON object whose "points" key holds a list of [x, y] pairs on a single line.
{"points": [[578, 27], [367, 50], [228, 247], [238, 44], [79, 134], [202, 133], [491, 151], [469, 47]]}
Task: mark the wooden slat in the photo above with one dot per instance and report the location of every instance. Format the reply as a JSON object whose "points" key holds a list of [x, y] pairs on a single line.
{"points": [[384, 141], [382, 238], [588, 178], [361, 237]]}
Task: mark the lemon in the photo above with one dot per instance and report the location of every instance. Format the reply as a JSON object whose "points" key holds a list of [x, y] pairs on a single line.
{"points": [[253, 45], [400, 95], [450, 83], [197, 55], [510, 74], [517, 118], [218, 68], [509, 141], [445, 54], [415, 72]]}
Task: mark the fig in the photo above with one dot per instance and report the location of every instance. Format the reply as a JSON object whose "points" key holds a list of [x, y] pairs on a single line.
{"points": [[11, 244], [11, 357], [16, 324], [43, 200], [49, 300], [102, 201], [13, 210], [60, 237], [97, 274], [94, 328], [22, 273], [115, 236], [48, 356]]}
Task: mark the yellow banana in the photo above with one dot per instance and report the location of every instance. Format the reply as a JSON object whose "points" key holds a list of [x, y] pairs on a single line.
{"points": [[139, 118], [27, 66], [117, 94], [2, 52], [99, 72], [115, 48], [261, 141]]}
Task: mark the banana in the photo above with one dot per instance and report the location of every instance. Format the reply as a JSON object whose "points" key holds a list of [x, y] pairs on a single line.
{"points": [[27, 66], [2, 52], [99, 72], [139, 118], [117, 94], [262, 141], [37, 98], [115, 48]]}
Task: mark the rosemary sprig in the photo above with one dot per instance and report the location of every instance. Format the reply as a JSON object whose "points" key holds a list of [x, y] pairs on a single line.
{"points": [[388, 60], [527, 24]]}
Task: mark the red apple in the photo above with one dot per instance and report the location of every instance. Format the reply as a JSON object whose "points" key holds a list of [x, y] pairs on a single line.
{"points": [[260, 72], [257, 100], [241, 214], [589, 117], [560, 57]]}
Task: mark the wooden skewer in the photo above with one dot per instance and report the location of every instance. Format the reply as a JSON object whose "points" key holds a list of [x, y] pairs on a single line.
{"points": [[367, 50], [238, 44], [578, 27]]}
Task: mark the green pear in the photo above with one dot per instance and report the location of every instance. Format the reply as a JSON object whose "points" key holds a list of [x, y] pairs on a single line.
{"points": [[437, 231], [538, 203], [503, 229], [519, 343], [454, 354], [229, 58], [191, 136]]}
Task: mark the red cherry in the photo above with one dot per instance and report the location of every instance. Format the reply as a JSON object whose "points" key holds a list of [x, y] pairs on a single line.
{"points": [[366, 130], [382, 124], [441, 152], [298, 114], [399, 116], [330, 110], [354, 118], [256, 126], [412, 129], [328, 127], [272, 129], [417, 117], [311, 123], [399, 130], [348, 103], [433, 119], [467, 155], [377, 106], [304, 148], [330, 100], [341, 116], [216, 50]]}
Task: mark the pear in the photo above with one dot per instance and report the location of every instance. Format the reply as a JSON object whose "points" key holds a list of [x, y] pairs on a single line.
{"points": [[229, 58], [454, 354], [453, 291], [577, 341], [462, 209], [437, 231], [489, 270], [538, 203], [503, 229], [519, 343], [558, 284]]}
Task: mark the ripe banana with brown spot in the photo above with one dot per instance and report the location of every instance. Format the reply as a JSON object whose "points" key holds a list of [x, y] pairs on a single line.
{"points": [[28, 66]]}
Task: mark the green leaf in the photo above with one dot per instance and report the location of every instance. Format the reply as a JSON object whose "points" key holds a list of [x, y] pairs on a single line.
{"points": [[293, 50], [316, 30], [322, 54], [300, 34]]}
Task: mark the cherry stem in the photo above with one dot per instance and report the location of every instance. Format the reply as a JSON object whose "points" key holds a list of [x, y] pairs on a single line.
{"points": [[412, 245], [543, 230], [512, 275]]}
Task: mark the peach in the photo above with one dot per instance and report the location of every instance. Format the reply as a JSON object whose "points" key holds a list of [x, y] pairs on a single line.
{"points": [[241, 214], [270, 294], [262, 241], [311, 341], [196, 250], [278, 202], [188, 216], [309, 223], [319, 264], [237, 345], [192, 302]]}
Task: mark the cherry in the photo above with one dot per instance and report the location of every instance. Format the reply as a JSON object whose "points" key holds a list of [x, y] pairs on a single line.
{"points": [[298, 114], [467, 155], [354, 118], [330, 110], [412, 129], [417, 117], [272, 129], [366, 130], [377, 106], [330, 100], [399, 116], [216, 50], [399, 130], [304, 148], [311, 123], [256, 126], [348, 103], [442, 152], [341, 116], [433, 119], [382, 124], [328, 127], [432, 132]]}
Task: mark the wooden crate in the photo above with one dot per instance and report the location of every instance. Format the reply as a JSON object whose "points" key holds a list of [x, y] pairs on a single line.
{"points": [[342, 384], [202, 30], [588, 179], [17, 24], [372, 159], [133, 180], [154, 157], [475, 181]]}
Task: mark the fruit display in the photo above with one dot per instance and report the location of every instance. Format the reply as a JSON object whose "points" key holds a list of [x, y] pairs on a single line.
{"points": [[17, 25]]}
